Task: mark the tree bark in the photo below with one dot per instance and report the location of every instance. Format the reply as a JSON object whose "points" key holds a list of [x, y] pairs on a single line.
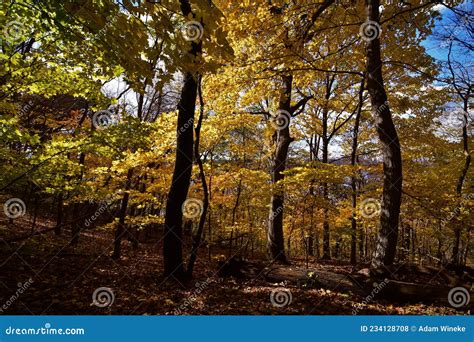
{"points": [[275, 239], [76, 226], [325, 160], [467, 162], [386, 245], [197, 158], [361, 244], [234, 213], [59, 214], [209, 225], [120, 231], [355, 143], [172, 241]]}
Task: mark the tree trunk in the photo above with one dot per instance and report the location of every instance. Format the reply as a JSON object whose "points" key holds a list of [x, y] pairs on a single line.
{"points": [[407, 240], [234, 213], [35, 210], [275, 239], [59, 214], [172, 241], [325, 160], [337, 248], [120, 231], [361, 244], [326, 229], [310, 245], [202, 218], [467, 162], [386, 246], [353, 178], [77, 223], [209, 226]]}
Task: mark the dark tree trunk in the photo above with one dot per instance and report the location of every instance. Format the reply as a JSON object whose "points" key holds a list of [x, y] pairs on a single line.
{"points": [[59, 214], [354, 178], [439, 250], [326, 228], [386, 246], [202, 218], [309, 246], [413, 245], [172, 242], [121, 229], [325, 160], [337, 248], [407, 240], [467, 248], [234, 213], [35, 211], [275, 239], [467, 162], [77, 221], [76, 224], [361, 244], [209, 226]]}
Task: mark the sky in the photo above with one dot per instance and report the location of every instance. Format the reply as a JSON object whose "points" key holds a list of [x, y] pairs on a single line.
{"points": [[433, 47]]}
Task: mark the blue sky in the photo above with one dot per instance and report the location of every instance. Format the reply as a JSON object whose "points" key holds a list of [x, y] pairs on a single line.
{"points": [[433, 47]]}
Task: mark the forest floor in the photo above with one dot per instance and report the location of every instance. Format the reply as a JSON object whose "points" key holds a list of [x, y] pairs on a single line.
{"points": [[64, 278]]}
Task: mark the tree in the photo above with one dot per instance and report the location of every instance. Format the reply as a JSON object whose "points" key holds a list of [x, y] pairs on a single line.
{"points": [[172, 242], [355, 140], [387, 133]]}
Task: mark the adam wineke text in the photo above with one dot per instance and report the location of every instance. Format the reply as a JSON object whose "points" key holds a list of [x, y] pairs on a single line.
{"points": [[443, 328]]}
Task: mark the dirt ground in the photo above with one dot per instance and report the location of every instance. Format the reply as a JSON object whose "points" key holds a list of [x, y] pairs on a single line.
{"points": [[43, 275]]}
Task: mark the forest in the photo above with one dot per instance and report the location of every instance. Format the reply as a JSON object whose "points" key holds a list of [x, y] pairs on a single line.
{"points": [[249, 157]]}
